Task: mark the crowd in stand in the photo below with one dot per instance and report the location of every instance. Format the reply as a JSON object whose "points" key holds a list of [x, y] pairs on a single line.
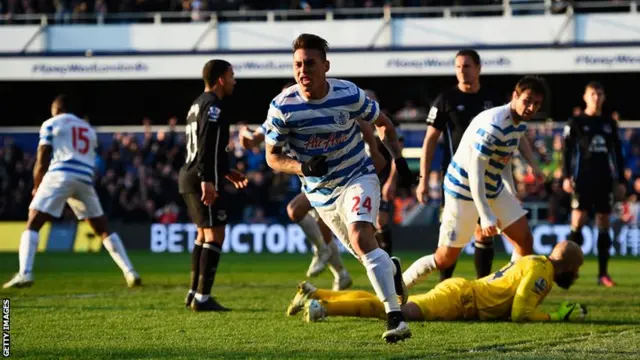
{"points": [[67, 11], [136, 178]]}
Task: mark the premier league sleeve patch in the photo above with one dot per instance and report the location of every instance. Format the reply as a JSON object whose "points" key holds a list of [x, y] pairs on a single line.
{"points": [[214, 113]]}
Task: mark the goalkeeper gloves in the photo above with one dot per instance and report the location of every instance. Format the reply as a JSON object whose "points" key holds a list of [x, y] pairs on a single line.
{"points": [[569, 312]]}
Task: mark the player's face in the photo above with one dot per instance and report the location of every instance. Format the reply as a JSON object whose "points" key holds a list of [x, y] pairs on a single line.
{"points": [[309, 70], [228, 81], [467, 71], [527, 104], [594, 98]]}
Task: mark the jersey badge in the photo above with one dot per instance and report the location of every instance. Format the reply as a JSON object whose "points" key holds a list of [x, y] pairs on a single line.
{"points": [[540, 286], [460, 107], [585, 128], [452, 235], [342, 118], [214, 113], [488, 105], [222, 215], [607, 128]]}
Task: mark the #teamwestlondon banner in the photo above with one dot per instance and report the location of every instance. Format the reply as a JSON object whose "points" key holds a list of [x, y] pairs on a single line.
{"points": [[343, 64]]}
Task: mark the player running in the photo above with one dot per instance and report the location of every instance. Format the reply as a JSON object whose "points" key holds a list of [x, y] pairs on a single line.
{"points": [[318, 121], [63, 174], [476, 178], [201, 181], [513, 292], [451, 113], [325, 250], [591, 144]]}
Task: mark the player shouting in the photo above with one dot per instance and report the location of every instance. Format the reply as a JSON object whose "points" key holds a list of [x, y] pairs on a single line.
{"points": [[318, 121]]}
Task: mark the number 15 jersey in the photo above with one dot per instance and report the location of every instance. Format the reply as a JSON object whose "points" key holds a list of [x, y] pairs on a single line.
{"points": [[73, 141], [207, 138]]}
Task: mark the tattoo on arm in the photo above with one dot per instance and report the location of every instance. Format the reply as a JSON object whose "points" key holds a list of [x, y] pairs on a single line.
{"points": [[280, 162], [388, 136]]}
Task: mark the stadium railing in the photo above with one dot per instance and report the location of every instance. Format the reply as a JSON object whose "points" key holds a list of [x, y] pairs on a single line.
{"points": [[505, 9]]}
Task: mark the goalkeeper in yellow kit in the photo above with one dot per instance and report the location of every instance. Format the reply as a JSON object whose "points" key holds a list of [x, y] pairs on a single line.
{"points": [[513, 292]]}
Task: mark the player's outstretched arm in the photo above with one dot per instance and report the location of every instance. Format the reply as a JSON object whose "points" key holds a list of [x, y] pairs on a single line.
{"points": [[533, 288], [43, 160], [569, 148]]}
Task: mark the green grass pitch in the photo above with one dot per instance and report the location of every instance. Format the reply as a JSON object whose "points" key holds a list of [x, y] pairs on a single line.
{"points": [[80, 308]]}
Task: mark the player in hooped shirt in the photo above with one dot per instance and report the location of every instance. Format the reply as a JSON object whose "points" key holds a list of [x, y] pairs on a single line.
{"points": [[318, 121], [477, 178], [63, 173]]}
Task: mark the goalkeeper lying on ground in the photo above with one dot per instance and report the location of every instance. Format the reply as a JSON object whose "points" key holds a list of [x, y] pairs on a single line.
{"points": [[514, 292]]}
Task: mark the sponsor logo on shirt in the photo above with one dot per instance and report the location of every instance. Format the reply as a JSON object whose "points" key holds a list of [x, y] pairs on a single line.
{"points": [[316, 142]]}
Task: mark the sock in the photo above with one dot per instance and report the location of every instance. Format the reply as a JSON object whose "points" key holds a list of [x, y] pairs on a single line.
{"points": [[604, 244], [419, 270], [335, 262], [576, 236], [114, 246], [380, 271], [367, 308], [208, 266], [331, 295], [201, 298], [27, 252], [311, 229], [384, 239], [448, 272], [483, 258], [195, 265]]}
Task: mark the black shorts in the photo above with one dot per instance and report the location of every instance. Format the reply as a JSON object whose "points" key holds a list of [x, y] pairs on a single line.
{"points": [[594, 195], [204, 216]]}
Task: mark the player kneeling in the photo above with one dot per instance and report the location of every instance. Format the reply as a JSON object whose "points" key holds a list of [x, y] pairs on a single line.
{"points": [[514, 292]]}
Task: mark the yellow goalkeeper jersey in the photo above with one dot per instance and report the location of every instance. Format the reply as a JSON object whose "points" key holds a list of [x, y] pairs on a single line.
{"points": [[515, 291]]}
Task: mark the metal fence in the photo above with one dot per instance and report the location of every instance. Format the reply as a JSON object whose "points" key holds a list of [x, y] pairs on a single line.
{"points": [[506, 8]]}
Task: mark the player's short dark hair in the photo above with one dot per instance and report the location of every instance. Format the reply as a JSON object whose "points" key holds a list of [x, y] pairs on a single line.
{"points": [[533, 83], [213, 70], [594, 85], [65, 104], [311, 42], [470, 53]]}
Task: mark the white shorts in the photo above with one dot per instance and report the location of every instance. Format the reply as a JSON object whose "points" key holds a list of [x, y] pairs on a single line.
{"points": [[359, 201], [57, 189], [460, 217]]}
